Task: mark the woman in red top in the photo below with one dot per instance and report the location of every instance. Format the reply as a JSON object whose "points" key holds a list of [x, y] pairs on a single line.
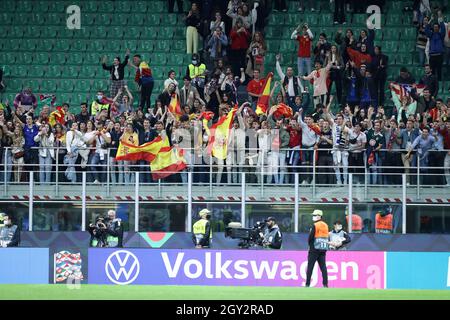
{"points": [[239, 44]]}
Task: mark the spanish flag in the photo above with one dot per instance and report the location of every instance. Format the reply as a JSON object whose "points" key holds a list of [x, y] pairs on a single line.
{"points": [[174, 106], [168, 161], [57, 116], [219, 133], [263, 101], [147, 151], [283, 110]]}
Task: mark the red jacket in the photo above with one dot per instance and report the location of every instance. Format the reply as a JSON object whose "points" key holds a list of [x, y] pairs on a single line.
{"points": [[304, 46], [446, 135], [239, 40]]}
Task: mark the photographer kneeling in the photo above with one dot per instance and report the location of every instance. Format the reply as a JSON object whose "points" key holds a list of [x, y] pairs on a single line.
{"points": [[107, 232], [272, 235]]}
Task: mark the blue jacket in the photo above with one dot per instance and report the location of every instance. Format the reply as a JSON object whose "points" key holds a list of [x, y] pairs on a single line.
{"points": [[436, 38]]}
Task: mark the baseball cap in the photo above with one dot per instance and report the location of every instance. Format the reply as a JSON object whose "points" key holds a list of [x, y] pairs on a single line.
{"points": [[204, 212], [270, 219], [317, 213]]}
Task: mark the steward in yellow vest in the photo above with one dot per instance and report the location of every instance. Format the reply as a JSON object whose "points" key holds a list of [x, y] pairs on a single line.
{"points": [[202, 231]]}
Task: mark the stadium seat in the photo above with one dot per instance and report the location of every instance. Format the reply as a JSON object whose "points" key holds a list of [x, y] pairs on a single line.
{"points": [[14, 85], [390, 46], [170, 18], [36, 71], [165, 33], [44, 45], [115, 32], [176, 45], [87, 71], [159, 58], [392, 34], [78, 45], [103, 19], [394, 20], [406, 46], [69, 71], [61, 45], [146, 46], [89, 6], [17, 71], [325, 19], [28, 44], [65, 85], [92, 57], [75, 58], [58, 58], [137, 19], [87, 18], [359, 20], [24, 58], [134, 33], [47, 86], [123, 6], [154, 20], [130, 44], [404, 59], [82, 85], [95, 46], [53, 71]]}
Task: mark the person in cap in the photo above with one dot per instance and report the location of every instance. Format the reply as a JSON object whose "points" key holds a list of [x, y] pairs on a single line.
{"points": [[318, 246], [201, 231], [272, 237], [9, 233], [338, 237]]}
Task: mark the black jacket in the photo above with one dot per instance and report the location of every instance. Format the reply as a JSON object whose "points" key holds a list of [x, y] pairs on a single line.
{"points": [[120, 70], [431, 83]]}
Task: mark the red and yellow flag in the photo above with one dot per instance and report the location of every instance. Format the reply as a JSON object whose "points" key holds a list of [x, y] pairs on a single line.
{"points": [[174, 106], [147, 151], [57, 116], [263, 100], [168, 161], [219, 133], [283, 110]]}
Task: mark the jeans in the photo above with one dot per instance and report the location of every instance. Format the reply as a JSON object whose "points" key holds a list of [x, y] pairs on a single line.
{"points": [[116, 170], [146, 93], [436, 65], [235, 160], [128, 175], [97, 171], [279, 161], [45, 168], [374, 171], [340, 159], [303, 64], [307, 160], [184, 174], [422, 56]]}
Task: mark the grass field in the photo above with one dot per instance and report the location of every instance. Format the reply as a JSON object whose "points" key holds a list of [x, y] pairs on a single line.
{"points": [[135, 292]]}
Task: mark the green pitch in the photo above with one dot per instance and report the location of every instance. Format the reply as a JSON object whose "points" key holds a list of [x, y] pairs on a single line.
{"points": [[134, 292]]}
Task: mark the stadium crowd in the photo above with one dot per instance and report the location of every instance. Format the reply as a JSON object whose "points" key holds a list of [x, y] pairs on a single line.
{"points": [[342, 133]]}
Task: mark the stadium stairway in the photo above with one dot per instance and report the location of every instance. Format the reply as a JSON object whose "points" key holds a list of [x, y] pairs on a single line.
{"points": [[397, 38], [44, 54]]}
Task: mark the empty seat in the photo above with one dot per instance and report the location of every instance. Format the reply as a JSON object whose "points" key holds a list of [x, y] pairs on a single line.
{"points": [[58, 58], [65, 85], [48, 86], [69, 71], [36, 71], [82, 85], [88, 71], [41, 57], [75, 58], [53, 71]]}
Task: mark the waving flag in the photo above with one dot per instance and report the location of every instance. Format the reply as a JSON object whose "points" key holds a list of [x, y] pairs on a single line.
{"points": [[67, 265], [168, 161], [46, 99], [263, 100], [218, 137], [57, 116], [207, 115], [283, 110], [146, 151], [174, 106], [402, 90]]}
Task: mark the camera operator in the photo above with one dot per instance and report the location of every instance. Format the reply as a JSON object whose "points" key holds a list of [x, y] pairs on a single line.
{"points": [[201, 231], [9, 232], [107, 232], [272, 236], [338, 237]]}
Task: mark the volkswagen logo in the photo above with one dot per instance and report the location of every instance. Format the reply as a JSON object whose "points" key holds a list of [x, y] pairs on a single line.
{"points": [[122, 267]]}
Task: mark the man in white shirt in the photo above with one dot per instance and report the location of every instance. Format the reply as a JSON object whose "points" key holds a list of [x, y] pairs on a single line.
{"points": [[357, 147], [102, 139], [292, 84], [171, 79], [310, 136]]}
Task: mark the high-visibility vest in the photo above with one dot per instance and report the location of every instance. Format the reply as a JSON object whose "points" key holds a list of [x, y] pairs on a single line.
{"points": [[321, 235], [383, 224], [97, 107], [200, 227], [357, 224], [194, 71]]}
